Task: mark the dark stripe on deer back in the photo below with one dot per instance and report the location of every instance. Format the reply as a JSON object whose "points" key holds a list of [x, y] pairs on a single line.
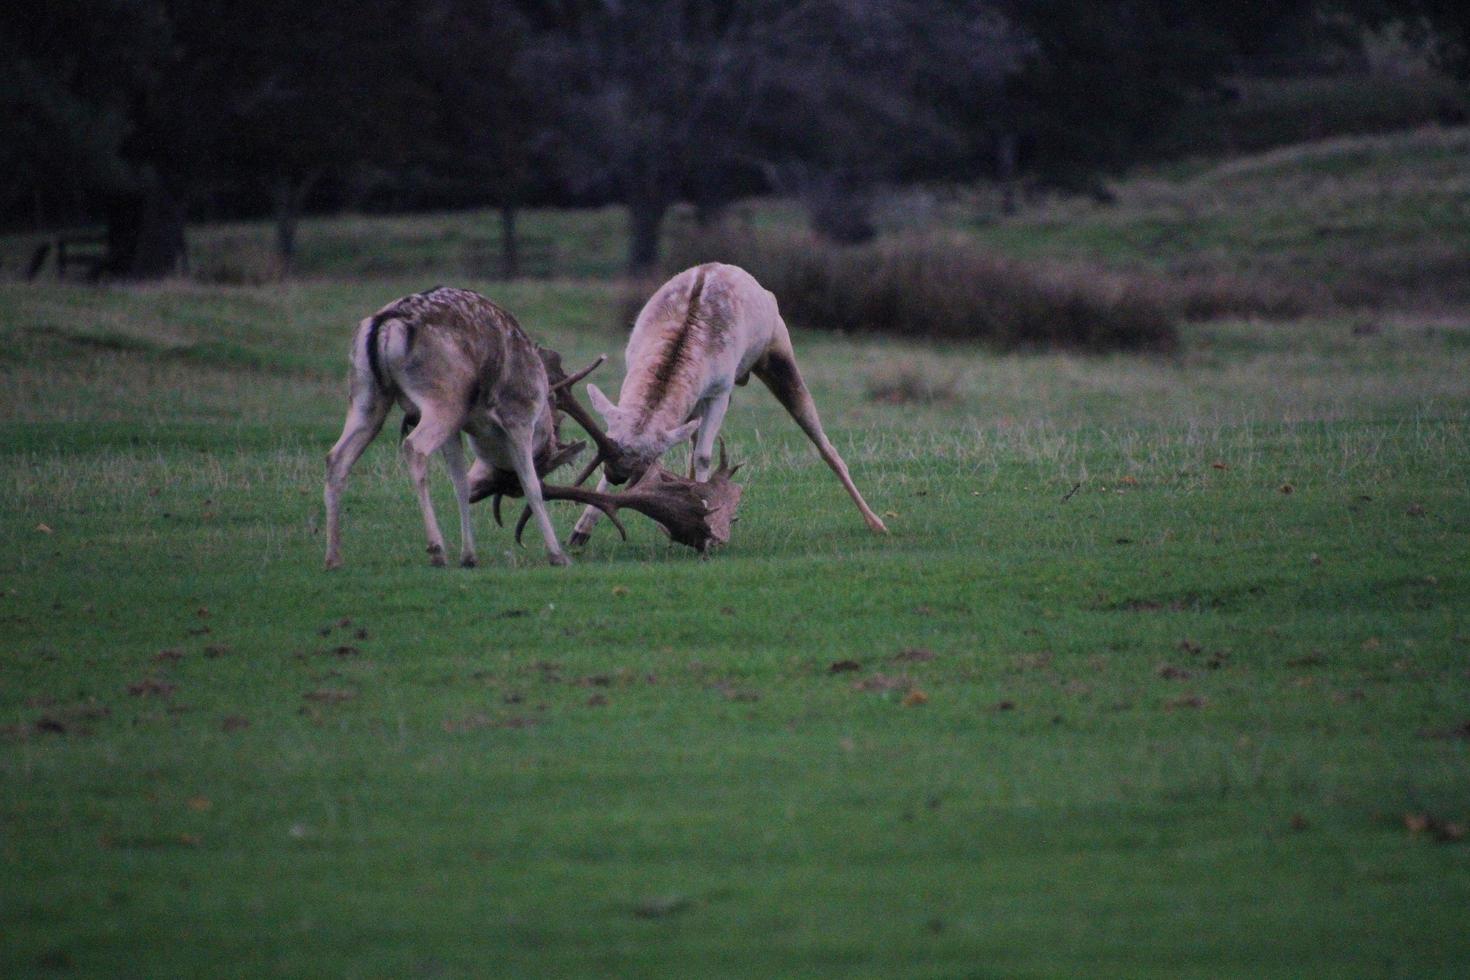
{"points": [[375, 363], [676, 355]]}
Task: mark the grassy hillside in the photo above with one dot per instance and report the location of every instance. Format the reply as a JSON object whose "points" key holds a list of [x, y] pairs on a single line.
{"points": [[1162, 670], [1372, 220], [1367, 222]]}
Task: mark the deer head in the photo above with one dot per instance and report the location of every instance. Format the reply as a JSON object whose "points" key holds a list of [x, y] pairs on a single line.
{"points": [[639, 447]]}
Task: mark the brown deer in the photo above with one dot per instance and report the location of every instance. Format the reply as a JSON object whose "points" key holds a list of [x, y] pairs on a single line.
{"points": [[456, 363], [702, 333]]}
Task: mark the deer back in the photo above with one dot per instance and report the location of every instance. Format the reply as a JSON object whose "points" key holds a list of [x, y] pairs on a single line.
{"points": [[458, 351], [695, 336]]}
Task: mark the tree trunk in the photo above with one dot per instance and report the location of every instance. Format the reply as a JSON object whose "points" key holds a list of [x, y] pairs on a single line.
{"points": [[289, 198], [645, 222], [1005, 171], [145, 233], [510, 258]]}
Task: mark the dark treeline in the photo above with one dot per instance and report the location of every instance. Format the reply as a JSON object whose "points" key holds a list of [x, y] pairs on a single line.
{"points": [[142, 115]]}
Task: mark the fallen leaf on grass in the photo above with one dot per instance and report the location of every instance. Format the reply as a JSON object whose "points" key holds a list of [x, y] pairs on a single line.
{"points": [[883, 682], [1287, 489], [597, 701], [199, 804], [731, 692], [915, 698], [912, 655], [1217, 465], [216, 650], [1006, 705], [1443, 831], [44, 529], [844, 666], [1298, 822], [152, 687], [663, 906], [168, 656], [329, 695], [1415, 510], [1171, 673], [1460, 732], [1189, 646]]}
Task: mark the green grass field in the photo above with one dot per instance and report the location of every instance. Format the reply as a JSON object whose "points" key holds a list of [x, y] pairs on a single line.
{"points": [[1163, 662], [1165, 669]]}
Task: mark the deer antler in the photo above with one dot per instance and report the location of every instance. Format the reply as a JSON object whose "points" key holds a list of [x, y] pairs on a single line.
{"points": [[697, 514], [565, 401]]}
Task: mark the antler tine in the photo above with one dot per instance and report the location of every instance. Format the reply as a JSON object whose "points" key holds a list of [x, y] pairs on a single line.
{"points": [[604, 502], [495, 509], [725, 466], [549, 492], [566, 400], [573, 379], [588, 470]]}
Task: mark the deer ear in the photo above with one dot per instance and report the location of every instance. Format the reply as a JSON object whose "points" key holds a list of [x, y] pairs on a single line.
{"points": [[685, 431], [604, 407]]}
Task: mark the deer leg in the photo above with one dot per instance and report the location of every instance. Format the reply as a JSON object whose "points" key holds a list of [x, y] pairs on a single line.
{"points": [[702, 455], [582, 531], [453, 453], [432, 432], [364, 420], [778, 371], [525, 467]]}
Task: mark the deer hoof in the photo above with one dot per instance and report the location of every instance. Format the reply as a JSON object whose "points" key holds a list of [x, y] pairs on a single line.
{"points": [[559, 559], [436, 555], [333, 563], [468, 561], [578, 539]]}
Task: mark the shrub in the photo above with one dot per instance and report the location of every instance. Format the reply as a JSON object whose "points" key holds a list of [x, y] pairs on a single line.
{"points": [[942, 287]]}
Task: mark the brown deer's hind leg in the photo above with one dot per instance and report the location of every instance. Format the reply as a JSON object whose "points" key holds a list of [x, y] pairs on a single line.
{"points": [[364, 420], [777, 370], [435, 428], [453, 453]]}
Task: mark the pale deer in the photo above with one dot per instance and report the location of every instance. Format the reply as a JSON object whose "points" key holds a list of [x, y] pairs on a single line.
{"points": [[702, 333], [456, 363]]}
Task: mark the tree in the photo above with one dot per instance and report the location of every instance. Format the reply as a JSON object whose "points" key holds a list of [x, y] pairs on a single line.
{"points": [[282, 93], [648, 97], [481, 123], [76, 78], [1102, 80]]}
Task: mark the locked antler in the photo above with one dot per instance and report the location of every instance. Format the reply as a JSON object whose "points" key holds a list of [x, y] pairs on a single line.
{"points": [[505, 483], [565, 400], [697, 514]]}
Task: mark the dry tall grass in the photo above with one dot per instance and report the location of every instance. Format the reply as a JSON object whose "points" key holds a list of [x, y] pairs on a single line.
{"points": [[941, 286]]}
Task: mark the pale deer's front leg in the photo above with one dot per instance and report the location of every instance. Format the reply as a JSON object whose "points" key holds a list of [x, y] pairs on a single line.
{"points": [[364, 420], [713, 416], [777, 370], [582, 530]]}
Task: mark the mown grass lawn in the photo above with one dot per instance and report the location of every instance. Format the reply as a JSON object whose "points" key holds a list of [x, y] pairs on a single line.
{"points": [[1164, 670]]}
